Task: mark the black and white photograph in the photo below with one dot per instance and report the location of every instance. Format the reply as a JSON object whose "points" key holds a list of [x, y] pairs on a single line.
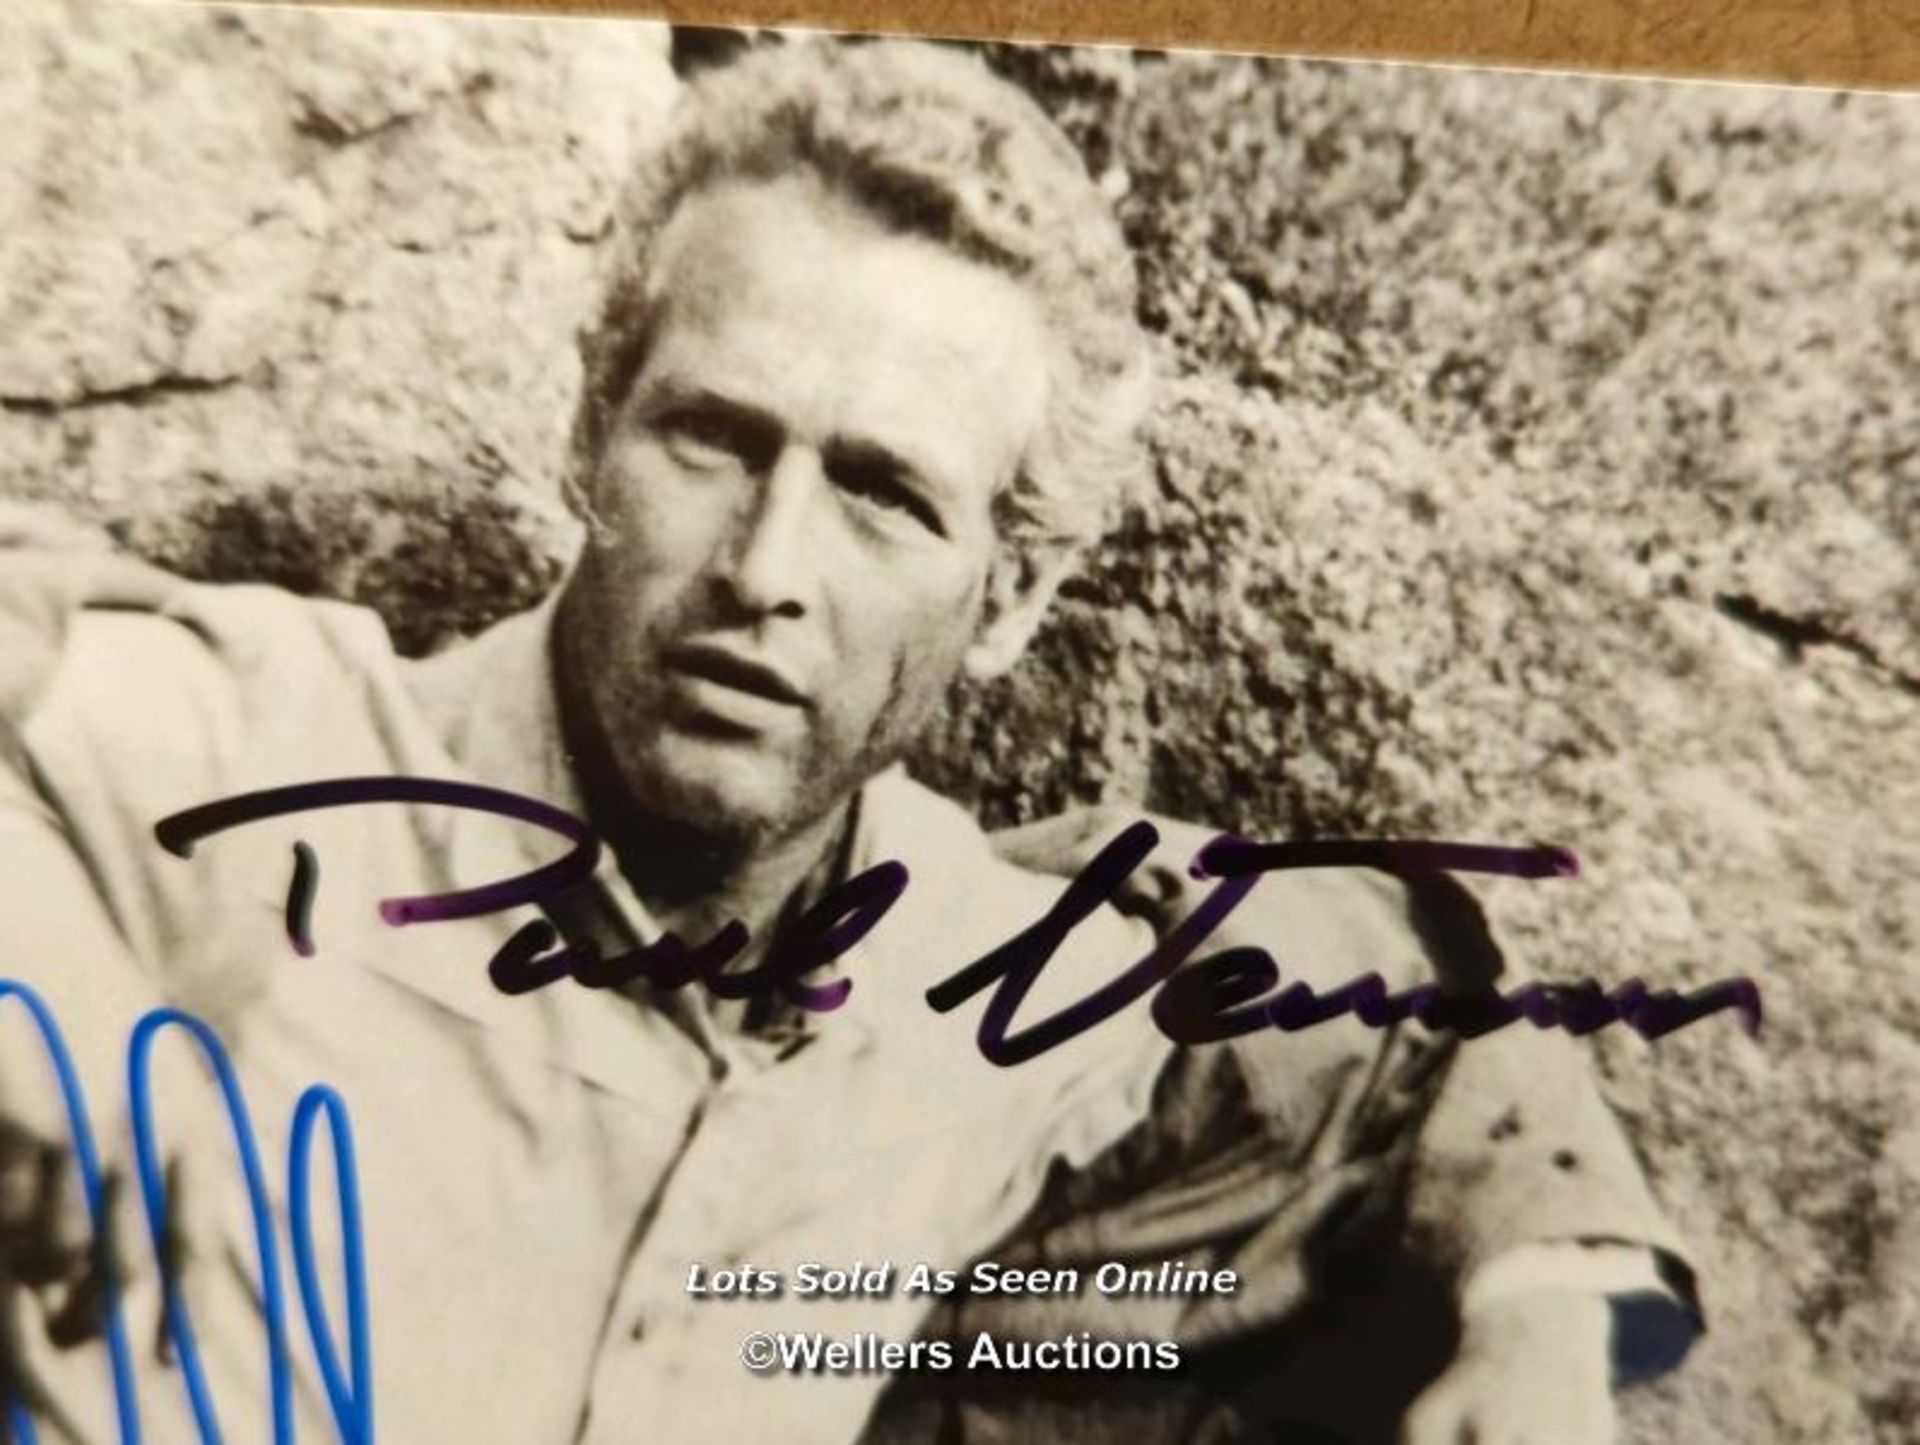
{"points": [[762, 735]]}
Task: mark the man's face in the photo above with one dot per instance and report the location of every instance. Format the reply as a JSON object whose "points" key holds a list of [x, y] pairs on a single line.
{"points": [[797, 497]]}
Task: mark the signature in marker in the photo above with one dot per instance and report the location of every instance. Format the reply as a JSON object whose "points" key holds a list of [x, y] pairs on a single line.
{"points": [[1220, 996]]}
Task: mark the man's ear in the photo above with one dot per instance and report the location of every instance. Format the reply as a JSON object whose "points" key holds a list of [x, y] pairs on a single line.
{"points": [[1019, 589]]}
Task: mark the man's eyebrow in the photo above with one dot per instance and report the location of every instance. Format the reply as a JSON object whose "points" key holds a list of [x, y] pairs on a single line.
{"points": [[866, 466], [672, 393], [871, 451]]}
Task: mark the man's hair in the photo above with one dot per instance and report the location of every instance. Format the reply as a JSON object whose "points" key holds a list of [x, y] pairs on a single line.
{"points": [[931, 143]]}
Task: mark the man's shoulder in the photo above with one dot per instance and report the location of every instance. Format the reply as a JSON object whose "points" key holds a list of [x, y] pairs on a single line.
{"points": [[953, 866], [178, 688], [202, 632], [1328, 925], [964, 900], [962, 903], [1323, 924]]}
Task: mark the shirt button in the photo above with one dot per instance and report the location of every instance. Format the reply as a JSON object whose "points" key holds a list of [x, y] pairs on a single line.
{"points": [[639, 1330]]}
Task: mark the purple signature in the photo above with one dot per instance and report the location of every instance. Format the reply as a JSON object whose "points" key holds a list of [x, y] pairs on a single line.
{"points": [[1220, 996]]}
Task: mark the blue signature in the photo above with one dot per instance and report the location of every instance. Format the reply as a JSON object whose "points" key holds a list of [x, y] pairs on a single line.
{"points": [[1220, 996], [349, 1390]]}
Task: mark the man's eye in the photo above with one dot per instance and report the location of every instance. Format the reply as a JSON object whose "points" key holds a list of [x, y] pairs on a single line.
{"points": [[703, 438], [878, 484]]}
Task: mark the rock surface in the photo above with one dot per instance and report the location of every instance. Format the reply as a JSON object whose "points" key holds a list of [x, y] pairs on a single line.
{"points": [[1539, 458], [292, 296]]}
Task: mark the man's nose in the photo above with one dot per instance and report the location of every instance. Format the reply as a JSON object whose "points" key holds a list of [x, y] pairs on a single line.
{"points": [[769, 566]]}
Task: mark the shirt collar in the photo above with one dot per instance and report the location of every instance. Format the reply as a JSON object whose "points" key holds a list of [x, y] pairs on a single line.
{"points": [[492, 699]]}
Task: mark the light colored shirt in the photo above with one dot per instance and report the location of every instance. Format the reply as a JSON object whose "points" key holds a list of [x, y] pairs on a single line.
{"points": [[541, 1172]]}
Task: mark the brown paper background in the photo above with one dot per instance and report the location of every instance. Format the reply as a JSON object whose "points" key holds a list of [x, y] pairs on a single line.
{"points": [[1873, 43]]}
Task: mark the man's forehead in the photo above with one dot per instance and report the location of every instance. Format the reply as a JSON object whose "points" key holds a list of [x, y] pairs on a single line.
{"points": [[757, 282]]}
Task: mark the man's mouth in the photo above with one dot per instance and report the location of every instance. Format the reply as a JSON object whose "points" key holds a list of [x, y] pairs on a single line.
{"points": [[724, 681]]}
